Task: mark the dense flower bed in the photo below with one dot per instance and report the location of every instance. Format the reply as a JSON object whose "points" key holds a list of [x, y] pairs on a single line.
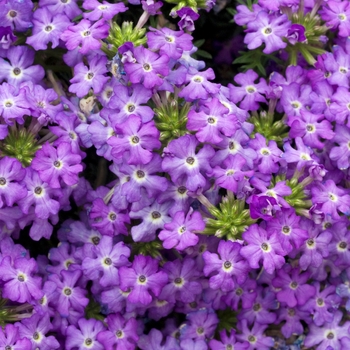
{"points": [[145, 203]]}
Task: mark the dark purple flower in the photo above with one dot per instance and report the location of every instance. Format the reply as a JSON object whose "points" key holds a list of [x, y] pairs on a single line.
{"points": [[227, 341], [255, 336], [296, 33], [6, 37], [263, 207], [187, 18]]}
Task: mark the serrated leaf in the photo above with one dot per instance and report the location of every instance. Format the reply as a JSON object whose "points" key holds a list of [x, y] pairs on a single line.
{"points": [[199, 43], [204, 54]]}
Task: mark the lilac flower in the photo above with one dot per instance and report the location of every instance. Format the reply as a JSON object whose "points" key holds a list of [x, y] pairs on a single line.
{"points": [[227, 341], [311, 128], [17, 15], [67, 295], [339, 106], [226, 268], [143, 277], [128, 101], [244, 15], [200, 324], [331, 335], [211, 122], [136, 140], [13, 104], [40, 194], [261, 311], [107, 219], [86, 78], [262, 246], [154, 340], [141, 180], [233, 173], [182, 160], [336, 15], [105, 10], [58, 164], [286, 225], [69, 8], [121, 333], [301, 156], [21, 285], [10, 339], [85, 36], [243, 296], [105, 260], [179, 232], [255, 336], [35, 328], [148, 69], [341, 153], [183, 284], [199, 86], [331, 198], [292, 287], [249, 93], [11, 173], [47, 28], [19, 66], [269, 30], [322, 303], [169, 42], [294, 98], [267, 155], [85, 335]]}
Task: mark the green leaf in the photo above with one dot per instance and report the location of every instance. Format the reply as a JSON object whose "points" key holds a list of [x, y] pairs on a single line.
{"points": [[204, 54], [199, 43], [231, 11]]}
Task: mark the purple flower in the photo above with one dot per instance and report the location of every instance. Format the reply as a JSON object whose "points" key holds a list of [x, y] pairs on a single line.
{"points": [[200, 324], [244, 295], [249, 93], [121, 333], [292, 287], [199, 86], [10, 338], [339, 106], [183, 284], [331, 198], [13, 104], [47, 28], [17, 15], [35, 328], [92, 77], [21, 285], [85, 36], [262, 246], [226, 268], [148, 68], [187, 18], [255, 336], [143, 277], [336, 15], [169, 42], [341, 154], [105, 260], [69, 8], [179, 232], [11, 172], [330, 336], [154, 340], [263, 207], [105, 10], [84, 335], [211, 122], [6, 37], [136, 140], [58, 164], [227, 341], [67, 295], [107, 219], [267, 155], [181, 160], [267, 29], [296, 33]]}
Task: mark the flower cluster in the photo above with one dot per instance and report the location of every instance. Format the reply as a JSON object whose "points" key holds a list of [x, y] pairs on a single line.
{"points": [[155, 193]]}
